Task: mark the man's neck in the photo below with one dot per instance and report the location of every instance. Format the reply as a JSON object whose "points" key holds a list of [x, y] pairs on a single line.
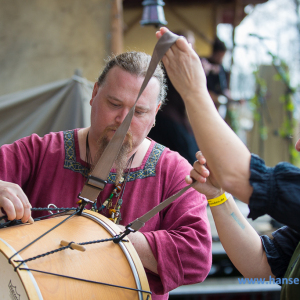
{"points": [[139, 151]]}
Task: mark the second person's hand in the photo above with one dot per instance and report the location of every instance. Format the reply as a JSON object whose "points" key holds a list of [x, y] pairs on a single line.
{"points": [[184, 68], [206, 183]]}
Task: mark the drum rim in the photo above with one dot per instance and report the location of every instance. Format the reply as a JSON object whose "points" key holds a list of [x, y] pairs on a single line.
{"points": [[28, 281], [123, 247]]}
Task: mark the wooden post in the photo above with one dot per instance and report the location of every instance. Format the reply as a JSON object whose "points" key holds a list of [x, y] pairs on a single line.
{"points": [[238, 8], [117, 27], [272, 116]]}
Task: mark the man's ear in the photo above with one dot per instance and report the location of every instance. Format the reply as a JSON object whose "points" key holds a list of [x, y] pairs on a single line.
{"points": [[95, 91], [157, 108]]}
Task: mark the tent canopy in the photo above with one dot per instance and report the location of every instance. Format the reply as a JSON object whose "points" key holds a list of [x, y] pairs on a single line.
{"points": [[61, 105]]}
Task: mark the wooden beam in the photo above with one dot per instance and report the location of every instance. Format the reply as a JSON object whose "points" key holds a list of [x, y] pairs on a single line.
{"points": [[117, 27], [189, 25], [238, 9], [131, 24]]}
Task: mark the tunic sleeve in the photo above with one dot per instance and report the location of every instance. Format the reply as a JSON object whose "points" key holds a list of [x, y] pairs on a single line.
{"points": [[276, 192], [280, 249], [182, 246], [15, 162]]}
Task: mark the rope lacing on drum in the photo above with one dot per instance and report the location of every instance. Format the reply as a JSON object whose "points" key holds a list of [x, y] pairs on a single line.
{"points": [[71, 277], [69, 247], [115, 239], [62, 248], [60, 210], [78, 210], [44, 234], [87, 280]]}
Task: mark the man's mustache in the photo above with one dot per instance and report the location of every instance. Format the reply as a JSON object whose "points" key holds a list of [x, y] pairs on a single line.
{"points": [[114, 128], [103, 142]]}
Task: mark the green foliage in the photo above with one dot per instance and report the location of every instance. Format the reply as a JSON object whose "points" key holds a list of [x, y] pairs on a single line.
{"points": [[263, 133], [287, 127], [257, 102], [295, 156]]}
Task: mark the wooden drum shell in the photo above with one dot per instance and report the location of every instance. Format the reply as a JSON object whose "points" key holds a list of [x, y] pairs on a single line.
{"points": [[107, 262]]}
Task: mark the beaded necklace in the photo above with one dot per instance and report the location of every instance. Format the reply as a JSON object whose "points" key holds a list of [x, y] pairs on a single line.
{"points": [[115, 211], [118, 191]]}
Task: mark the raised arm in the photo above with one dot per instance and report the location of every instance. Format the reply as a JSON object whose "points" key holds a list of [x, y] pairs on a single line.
{"points": [[227, 156], [240, 241]]}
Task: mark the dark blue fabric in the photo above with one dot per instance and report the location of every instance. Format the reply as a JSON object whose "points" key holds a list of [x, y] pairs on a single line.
{"points": [[175, 136], [217, 82], [173, 129], [280, 249], [276, 192]]}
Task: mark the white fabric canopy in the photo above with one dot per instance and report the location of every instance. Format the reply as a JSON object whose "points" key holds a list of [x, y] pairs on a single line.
{"points": [[56, 106]]}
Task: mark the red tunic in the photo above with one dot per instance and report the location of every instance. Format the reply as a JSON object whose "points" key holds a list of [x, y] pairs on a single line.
{"points": [[49, 170]]}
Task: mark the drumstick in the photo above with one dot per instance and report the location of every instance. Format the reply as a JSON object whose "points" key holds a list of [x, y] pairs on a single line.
{"points": [[73, 245]]}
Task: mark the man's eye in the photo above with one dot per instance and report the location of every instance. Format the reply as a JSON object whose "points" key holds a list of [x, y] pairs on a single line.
{"points": [[113, 104], [138, 112]]}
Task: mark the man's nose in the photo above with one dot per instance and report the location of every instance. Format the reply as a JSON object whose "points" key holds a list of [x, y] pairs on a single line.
{"points": [[121, 115]]}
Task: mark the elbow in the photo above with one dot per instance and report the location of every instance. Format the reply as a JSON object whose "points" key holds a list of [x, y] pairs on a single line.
{"points": [[228, 184], [238, 187]]}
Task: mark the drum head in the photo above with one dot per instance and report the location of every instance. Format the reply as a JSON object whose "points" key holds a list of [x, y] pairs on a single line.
{"points": [[107, 262]]}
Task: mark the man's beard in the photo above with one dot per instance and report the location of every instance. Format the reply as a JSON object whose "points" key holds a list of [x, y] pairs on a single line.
{"points": [[121, 160]]}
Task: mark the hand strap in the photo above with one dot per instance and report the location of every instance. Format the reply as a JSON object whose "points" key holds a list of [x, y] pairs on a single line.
{"points": [[140, 222]]}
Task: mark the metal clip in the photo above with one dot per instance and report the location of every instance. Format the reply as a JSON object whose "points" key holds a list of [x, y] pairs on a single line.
{"points": [[96, 182], [52, 206]]}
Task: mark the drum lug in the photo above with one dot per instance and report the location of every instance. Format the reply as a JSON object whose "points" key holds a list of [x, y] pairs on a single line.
{"points": [[120, 236]]}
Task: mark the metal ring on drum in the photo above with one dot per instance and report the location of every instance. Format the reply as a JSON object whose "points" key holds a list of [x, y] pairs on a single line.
{"points": [[52, 206]]}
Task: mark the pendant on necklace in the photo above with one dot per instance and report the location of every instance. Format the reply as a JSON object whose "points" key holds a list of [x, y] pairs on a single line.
{"points": [[117, 218], [116, 192]]}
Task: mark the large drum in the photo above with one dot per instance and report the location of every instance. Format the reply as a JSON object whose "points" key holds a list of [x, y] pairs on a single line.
{"points": [[106, 262]]}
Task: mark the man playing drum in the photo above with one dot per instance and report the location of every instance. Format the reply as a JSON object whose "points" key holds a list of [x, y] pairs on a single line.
{"points": [[175, 245]]}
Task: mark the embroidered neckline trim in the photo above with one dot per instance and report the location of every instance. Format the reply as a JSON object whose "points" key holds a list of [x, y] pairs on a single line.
{"points": [[72, 164]]}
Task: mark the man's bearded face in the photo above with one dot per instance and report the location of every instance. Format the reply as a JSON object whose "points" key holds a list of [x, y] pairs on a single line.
{"points": [[122, 158]]}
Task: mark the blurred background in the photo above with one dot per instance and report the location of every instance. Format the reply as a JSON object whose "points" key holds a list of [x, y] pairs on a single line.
{"points": [[51, 53]]}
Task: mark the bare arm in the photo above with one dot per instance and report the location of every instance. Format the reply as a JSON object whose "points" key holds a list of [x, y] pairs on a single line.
{"points": [[240, 241], [143, 249], [227, 156]]}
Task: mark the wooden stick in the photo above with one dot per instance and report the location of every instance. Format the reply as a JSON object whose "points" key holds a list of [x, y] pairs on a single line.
{"points": [[73, 246]]}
